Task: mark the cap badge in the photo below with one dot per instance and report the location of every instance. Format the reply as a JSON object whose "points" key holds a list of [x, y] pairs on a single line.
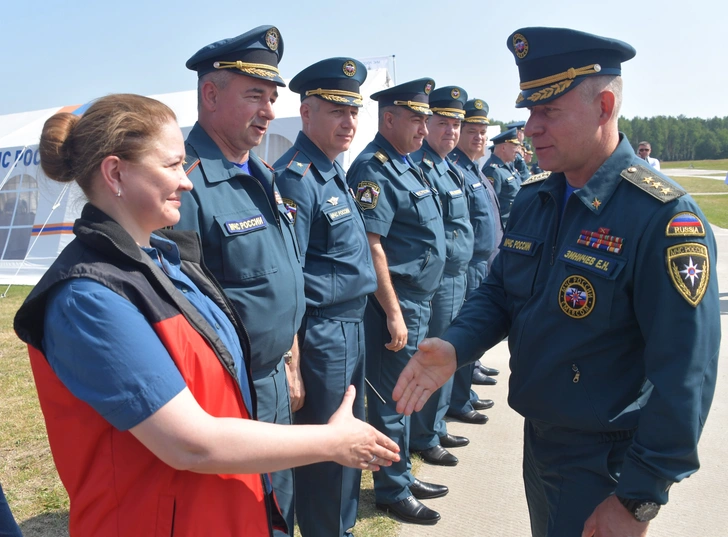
{"points": [[428, 88], [349, 68], [455, 93], [478, 104], [520, 46], [272, 38]]}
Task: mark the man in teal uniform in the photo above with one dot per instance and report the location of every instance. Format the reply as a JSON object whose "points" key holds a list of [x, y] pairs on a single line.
{"points": [[338, 272], [447, 106], [520, 163], [485, 216], [500, 172], [403, 219], [606, 287], [247, 232]]}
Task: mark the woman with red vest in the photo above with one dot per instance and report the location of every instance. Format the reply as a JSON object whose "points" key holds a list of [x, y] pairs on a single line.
{"points": [[140, 360]]}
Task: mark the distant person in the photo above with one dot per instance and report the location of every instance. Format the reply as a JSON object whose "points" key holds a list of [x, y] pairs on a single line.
{"points": [[644, 150], [500, 172], [142, 365]]}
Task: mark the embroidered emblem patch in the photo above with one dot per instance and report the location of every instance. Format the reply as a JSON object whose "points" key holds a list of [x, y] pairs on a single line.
{"points": [[685, 224], [253, 223], [349, 68], [333, 200], [520, 46], [492, 181], [340, 214], [689, 268], [478, 104], [601, 241], [272, 38], [291, 207], [455, 93], [367, 194], [577, 297]]}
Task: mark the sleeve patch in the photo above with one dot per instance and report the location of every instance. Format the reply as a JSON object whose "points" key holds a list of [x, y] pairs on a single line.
{"points": [[291, 207], [689, 267], [367, 194], [685, 224]]}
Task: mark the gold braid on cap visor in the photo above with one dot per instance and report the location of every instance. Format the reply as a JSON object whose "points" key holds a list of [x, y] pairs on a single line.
{"points": [[559, 82], [477, 119], [457, 113], [422, 108], [257, 69], [337, 96]]}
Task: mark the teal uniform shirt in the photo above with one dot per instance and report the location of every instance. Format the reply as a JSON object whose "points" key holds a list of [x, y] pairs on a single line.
{"points": [[400, 206], [505, 181], [450, 185], [337, 261], [483, 207], [248, 243], [612, 313]]}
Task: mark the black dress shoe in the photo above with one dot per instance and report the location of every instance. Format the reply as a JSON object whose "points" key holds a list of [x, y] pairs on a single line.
{"points": [[411, 510], [427, 491], [451, 441], [438, 456], [490, 371], [471, 417], [483, 404], [482, 379]]}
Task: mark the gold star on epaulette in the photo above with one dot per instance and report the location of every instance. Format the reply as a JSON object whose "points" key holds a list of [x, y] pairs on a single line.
{"points": [[666, 190], [655, 184], [299, 164], [596, 203], [647, 180]]}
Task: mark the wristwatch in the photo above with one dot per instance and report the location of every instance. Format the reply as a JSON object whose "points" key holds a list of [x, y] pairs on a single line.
{"points": [[642, 510]]}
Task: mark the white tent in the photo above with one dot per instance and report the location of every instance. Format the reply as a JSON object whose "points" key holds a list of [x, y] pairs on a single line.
{"points": [[37, 214]]}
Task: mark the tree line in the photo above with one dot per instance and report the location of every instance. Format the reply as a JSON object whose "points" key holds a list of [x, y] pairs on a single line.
{"points": [[677, 138]]}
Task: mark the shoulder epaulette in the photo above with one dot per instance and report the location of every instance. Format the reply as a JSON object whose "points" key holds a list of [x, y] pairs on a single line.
{"points": [[536, 178], [427, 161], [299, 165], [381, 156], [192, 166], [653, 184]]}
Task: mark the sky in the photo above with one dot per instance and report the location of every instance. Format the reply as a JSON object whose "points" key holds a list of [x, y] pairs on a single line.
{"points": [[64, 53]]}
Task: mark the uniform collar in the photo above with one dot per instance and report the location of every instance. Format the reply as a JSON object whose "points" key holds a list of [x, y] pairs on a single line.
{"points": [[459, 157], [494, 159], [438, 162], [394, 156], [217, 167], [595, 195], [318, 159]]}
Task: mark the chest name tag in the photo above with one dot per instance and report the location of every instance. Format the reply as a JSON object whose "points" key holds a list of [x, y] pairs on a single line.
{"points": [[337, 216], [253, 223], [476, 185], [422, 193], [455, 193], [592, 262], [518, 245]]}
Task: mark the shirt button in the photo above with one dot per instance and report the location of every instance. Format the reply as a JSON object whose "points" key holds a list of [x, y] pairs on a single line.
{"points": [[184, 290]]}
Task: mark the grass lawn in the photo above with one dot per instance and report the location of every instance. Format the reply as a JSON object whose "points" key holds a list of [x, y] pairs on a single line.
{"points": [[697, 184], [699, 164]]}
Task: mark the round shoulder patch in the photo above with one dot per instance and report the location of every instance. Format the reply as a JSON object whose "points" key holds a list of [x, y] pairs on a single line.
{"points": [[577, 297], [367, 195]]}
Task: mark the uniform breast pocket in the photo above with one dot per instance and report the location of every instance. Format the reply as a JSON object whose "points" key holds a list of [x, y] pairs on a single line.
{"points": [[245, 247], [341, 229], [424, 203], [590, 286], [457, 204], [521, 256]]}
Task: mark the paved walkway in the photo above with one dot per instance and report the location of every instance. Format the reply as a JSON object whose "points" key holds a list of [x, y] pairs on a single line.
{"points": [[694, 172], [486, 493]]}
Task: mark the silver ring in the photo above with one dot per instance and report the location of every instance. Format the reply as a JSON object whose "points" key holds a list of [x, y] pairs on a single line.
{"points": [[374, 458]]}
